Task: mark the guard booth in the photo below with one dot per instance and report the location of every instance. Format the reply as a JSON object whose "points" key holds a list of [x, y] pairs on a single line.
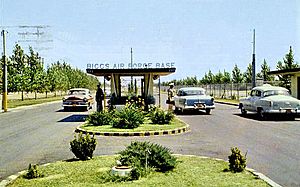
{"points": [[294, 75], [148, 75]]}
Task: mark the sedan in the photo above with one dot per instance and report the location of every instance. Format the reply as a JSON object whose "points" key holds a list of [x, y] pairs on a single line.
{"points": [[269, 99], [78, 98], [193, 98]]}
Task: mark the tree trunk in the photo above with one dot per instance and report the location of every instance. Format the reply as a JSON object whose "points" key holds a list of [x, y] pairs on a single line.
{"points": [[46, 94], [35, 95], [22, 93]]}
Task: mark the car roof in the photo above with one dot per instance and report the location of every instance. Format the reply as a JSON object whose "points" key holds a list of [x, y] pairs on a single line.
{"points": [[192, 88], [267, 87]]}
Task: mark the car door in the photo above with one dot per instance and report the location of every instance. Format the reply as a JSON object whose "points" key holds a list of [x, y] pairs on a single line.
{"points": [[256, 97], [248, 102], [176, 98]]}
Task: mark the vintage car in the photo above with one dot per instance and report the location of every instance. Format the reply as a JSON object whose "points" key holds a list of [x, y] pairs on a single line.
{"points": [[269, 99], [193, 98], [78, 98]]}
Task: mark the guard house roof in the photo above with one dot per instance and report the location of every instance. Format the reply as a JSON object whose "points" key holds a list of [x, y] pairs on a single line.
{"points": [[133, 71], [285, 72]]}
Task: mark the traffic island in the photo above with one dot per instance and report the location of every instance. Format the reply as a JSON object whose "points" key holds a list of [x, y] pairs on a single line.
{"points": [[177, 126]]}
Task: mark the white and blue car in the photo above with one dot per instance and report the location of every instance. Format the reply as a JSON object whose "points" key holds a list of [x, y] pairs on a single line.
{"points": [[265, 100], [193, 98]]}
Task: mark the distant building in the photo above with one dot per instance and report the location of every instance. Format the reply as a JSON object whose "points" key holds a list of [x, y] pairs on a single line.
{"points": [[295, 79]]}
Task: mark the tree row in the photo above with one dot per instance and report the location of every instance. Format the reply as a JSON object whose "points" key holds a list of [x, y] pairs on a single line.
{"points": [[237, 76], [26, 73]]}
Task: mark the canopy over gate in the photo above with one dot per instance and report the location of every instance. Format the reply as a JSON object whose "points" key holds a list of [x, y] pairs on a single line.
{"points": [[148, 74]]}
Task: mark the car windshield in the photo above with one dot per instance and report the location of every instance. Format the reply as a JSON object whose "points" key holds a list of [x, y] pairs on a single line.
{"points": [[276, 92], [77, 92], [193, 92]]}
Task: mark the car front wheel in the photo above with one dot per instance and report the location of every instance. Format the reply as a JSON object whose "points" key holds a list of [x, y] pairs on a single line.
{"points": [[261, 113]]}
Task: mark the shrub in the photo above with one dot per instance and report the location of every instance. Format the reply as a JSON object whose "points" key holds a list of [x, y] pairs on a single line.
{"points": [[136, 102], [128, 118], [157, 156], [33, 172], [160, 116], [83, 146], [237, 162], [100, 118], [135, 174]]}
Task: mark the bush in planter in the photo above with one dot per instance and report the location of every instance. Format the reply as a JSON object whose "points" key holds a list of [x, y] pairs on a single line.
{"points": [[83, 146], [135, 102], [33, 172], [100, 118], [128, 118], [237, 162], [160, 116], [157, 156]]}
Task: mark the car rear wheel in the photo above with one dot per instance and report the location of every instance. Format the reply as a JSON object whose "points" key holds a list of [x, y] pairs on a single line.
{"points": [[66, 109], [243, 111], [207, 111]]}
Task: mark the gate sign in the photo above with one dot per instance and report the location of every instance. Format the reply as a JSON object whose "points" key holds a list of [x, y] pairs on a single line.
{"points": [[129, 66]]}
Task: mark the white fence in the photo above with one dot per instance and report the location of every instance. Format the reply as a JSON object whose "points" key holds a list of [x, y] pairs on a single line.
{"points": [[226, 91]]}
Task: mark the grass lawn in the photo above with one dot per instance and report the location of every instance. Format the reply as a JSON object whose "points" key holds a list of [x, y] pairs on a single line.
{"points": [[227, 101], [191, 171], [147, 126], [13, 103]]}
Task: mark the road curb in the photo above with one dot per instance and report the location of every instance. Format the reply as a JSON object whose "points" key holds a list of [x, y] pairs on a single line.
{"points": [[28, 106], [269, 181], [146, 133], [11, 178], [126, 134], [227, 103], [255, 173]]}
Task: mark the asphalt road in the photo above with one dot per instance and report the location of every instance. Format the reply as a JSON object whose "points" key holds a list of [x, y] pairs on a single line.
{"points": [[42, 134]]}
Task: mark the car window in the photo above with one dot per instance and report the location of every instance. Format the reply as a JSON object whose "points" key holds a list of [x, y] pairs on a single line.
{"points": [[77, 92], [253, 93], [193, 92], [258, 93], [179, 93], [276, 92]]}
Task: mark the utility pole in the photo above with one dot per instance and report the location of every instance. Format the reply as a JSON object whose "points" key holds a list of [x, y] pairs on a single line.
{"points": [[131, 83], [159, 92], [4, 102], [104, 99], [253, 62]]}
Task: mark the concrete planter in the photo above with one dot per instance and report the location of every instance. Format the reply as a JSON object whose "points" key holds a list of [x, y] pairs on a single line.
{"points": [[121, 170]]}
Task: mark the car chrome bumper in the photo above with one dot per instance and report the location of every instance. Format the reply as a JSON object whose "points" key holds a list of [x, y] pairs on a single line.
{"points": [[283, 111], [204, 107], [75, 105]]}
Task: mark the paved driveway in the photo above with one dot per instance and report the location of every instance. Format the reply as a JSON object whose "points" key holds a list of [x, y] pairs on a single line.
{"points": [[42, 134]]}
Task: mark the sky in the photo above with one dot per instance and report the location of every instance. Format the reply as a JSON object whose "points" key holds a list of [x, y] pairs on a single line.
{"points": [[197, 35]]}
